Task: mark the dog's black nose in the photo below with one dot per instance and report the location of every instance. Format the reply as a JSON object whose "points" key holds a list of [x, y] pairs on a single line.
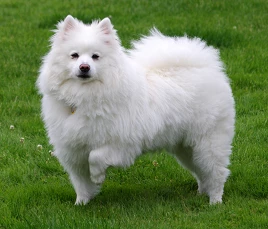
{"points": [[84, 68]]}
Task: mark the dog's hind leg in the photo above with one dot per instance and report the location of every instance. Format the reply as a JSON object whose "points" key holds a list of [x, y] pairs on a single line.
{"points": [[184, 156], [207, 161], [211, 157]]}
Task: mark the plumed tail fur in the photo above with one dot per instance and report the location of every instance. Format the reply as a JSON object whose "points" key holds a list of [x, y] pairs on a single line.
{"points": [[157, 51]]}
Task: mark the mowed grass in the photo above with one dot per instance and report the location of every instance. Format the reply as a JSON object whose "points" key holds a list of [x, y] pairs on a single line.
{"points": [[35, 192]]}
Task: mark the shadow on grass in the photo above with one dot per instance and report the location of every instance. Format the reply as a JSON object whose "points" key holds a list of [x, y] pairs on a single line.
{"points": [[149, 196]]}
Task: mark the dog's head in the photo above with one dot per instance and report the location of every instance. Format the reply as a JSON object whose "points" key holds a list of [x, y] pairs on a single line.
{"points": [[84, 51], [84, 61]]}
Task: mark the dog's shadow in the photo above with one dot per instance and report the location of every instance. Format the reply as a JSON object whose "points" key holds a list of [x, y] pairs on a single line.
{"points": [[128, 195]]}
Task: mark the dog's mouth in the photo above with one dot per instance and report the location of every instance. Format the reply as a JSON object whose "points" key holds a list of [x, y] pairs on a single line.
{"points": [[86, 78], [83, 76]]}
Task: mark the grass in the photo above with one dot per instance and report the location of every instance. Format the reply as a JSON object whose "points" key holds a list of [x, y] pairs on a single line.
{"points": [[35, 191]]}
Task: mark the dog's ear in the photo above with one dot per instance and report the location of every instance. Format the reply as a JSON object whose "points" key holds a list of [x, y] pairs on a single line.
{"points": [[106, 26], [109, 35], [63, 27], [69, 23]]}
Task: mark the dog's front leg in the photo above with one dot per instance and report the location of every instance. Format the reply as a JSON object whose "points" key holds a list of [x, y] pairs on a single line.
{"points": [[100, 159]]}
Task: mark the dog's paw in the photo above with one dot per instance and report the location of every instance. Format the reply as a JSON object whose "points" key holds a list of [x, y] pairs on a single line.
{"points": [[81, 200], [97, 178], [215, 200], [97, 172]]}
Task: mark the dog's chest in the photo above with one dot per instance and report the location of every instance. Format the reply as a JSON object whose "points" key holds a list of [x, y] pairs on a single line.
{"points": [[92, 126]]}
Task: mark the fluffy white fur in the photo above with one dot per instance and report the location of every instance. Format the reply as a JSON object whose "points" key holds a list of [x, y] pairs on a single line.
{"points": [[166, 92]]}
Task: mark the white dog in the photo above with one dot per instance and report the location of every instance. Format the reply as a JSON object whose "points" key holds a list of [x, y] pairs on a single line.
{"points": [[104, 106]]}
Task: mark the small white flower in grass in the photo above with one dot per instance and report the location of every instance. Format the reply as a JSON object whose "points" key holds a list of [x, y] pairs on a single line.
{"points": [[51, 153], [22, 140], [11, 127], [155, 163], [39, 147]]}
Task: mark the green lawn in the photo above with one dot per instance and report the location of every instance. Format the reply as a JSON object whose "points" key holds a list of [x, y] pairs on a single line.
{"points": [[35, 191]]}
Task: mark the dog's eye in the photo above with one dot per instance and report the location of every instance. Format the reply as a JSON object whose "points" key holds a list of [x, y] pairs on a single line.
{"points": [[95, 56], [74, 55]]}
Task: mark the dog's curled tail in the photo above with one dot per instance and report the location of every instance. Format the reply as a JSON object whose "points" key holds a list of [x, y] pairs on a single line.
{"points": [[157, 51]]}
